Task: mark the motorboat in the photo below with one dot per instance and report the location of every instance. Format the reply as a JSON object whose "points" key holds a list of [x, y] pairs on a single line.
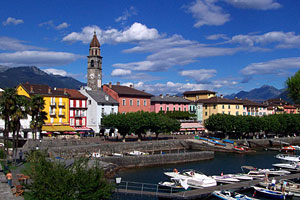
{"points": [[194, 178], [117, 154], [294, 166], [242, 177], [137, 153], [290, 186], [289, 158], [273, 194], [96, 155], [260, 173], [231, 196], [173, 186], [225, 179], [288, 149], [297, 148]]}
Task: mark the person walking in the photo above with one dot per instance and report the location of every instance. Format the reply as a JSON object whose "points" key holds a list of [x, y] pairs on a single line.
{"points": [[273, 185], [20, 155], [9, 178]]}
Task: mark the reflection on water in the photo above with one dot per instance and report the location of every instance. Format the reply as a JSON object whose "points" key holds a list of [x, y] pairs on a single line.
{"points": [[223, 162]]}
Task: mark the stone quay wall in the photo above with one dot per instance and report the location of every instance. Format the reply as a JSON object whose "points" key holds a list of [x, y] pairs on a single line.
{"points": [[158, 159], [270, 141]]}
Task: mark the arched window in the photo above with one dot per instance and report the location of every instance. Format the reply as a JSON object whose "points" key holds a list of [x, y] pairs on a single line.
{"points": [[92, 63], [96, 52]]}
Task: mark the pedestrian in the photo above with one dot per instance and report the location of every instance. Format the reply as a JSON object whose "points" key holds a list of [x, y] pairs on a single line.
{"points": [[284, 186], [273, 185], [20, 155], [9, 178]]}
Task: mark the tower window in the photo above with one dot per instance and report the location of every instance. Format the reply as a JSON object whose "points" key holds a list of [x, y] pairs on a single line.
{"points": [[92, 63]]}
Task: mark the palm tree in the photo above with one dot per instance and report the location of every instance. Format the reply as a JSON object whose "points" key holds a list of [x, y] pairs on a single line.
{"points": [[7, 108], [21, 111], [39, 116]]}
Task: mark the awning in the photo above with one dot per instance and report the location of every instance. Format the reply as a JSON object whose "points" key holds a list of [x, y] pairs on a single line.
{"points": [[82, 128], [58, 128]]}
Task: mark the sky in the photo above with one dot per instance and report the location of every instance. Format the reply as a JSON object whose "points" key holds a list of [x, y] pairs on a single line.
{"points": [[163, 47]]}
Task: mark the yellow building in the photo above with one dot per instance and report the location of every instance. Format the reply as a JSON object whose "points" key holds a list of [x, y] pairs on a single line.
{"points": [[220, 105], [56, 102], [198, 94]]}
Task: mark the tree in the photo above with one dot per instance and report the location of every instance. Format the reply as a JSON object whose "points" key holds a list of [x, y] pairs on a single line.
{"points": [[38, 116], [293, 87], [7, 109], [52, 180]]}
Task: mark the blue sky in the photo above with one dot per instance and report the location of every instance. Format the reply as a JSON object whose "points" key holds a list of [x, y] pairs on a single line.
{"points": [[166, 46]]}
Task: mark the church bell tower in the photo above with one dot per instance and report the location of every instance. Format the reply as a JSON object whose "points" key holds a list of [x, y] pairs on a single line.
{"points": [[94, 74]]}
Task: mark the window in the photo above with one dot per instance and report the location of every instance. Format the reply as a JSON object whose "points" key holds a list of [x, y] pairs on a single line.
{"points": [[184, 108], [179, 109], [237, 113], [228, 112], [102, 111], [71, 113], [90, 102], [51, 120], [72, 122], [244, 113], [112, 110], [131, 102], [223, 107], [228, 106], [83, 122], [205, 106], [138, 102], [83, 104], [77, 103], [205, 113], [223, 112], [145, 103], [92, 63], [237, 106], [173, 108], [215, 106], [124, 102], [160, 108], [60, 120], [167, 108]]}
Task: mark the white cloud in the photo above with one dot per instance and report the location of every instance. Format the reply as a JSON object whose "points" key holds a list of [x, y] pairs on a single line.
{"points": [[207, 13], [136, 32], [38, 58], [13, 21], [277, 66], [255, 4], [199, 75], [172, 51], [62, 25], [7, 43], [126, 14], [56, 71], [120, 72], [281, 39], [48, 23], [217, 36]]}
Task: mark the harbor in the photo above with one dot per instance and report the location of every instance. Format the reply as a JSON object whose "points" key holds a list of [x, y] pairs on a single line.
{"points": [[222, 163]]}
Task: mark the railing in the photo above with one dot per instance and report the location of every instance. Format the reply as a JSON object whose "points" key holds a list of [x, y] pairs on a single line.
{"points": [[146, 189], [79, 115], [52, 104], [52, 113]]}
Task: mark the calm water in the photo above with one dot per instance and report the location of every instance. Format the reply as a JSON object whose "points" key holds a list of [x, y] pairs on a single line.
{"points": [[223, 162]]}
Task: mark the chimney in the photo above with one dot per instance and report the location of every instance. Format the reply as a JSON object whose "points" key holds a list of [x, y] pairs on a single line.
{"points": [[31, 89], [118, 83], [131, 85], [65, 91], [49, 90], [109, 85]]}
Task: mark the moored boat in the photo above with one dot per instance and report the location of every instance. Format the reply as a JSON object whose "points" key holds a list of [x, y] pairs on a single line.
{"points": [[225, 179], [289, 158], [293, 166], [273, 194], [226, 195], [173, 186]]}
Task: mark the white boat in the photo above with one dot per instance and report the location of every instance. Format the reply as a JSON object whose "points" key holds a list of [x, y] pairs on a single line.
{"points": [[297, 148], [193, 178], [273, 194], [225, 179], [243, 177], [261, 173], [226, 195], [290, 186], [96, 155], [137, 153], [117, 154], [174, 185], [294, 166], [289, 158], [274, 172]]}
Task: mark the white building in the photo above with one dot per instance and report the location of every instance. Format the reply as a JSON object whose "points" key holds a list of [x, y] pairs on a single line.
{"points": [[99, 104]]}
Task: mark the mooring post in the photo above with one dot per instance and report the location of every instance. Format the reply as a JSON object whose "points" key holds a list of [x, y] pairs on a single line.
{"points": [[156, 189], [142, 188], [126, 185]]}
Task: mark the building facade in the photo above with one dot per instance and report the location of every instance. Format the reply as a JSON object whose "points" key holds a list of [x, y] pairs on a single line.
{"points": [[129, 98], [168, 103], [94, 72], [253, 108], [198, 94], [99, 104]]}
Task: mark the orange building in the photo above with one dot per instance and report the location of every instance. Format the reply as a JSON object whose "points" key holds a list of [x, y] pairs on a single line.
{"points": [[129, 98]]}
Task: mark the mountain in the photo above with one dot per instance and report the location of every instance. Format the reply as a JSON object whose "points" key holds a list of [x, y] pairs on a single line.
{"points": [[258, 94], [13, 76]]}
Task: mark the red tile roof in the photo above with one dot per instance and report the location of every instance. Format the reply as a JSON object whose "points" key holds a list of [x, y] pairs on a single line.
{"points": [[43, 90], [219, 100], [252, 103], [199, 92], [74, 94], [95, 41], [128, 91]]}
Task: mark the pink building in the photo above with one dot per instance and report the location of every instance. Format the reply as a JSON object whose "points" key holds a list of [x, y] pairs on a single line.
{"points": [[290, 109], [169, 103]]}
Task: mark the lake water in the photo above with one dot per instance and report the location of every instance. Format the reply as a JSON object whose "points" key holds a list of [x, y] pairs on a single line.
{"points": [[223, 162]]}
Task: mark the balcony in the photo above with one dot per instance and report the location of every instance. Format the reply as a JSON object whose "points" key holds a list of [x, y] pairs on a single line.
{"points": [[79, 115], [61, 114], [61, 104], [52, 113], [52, 104]]}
